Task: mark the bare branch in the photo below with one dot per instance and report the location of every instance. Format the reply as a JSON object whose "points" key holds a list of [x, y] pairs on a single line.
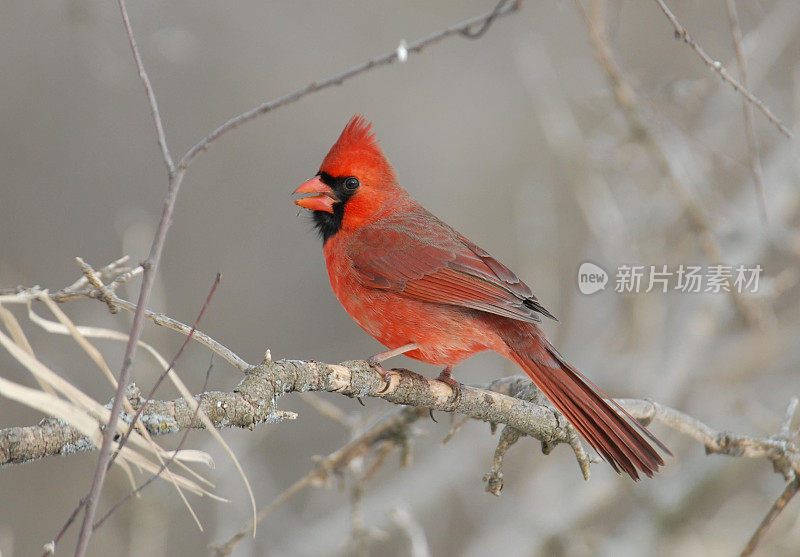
{"points": [[682, 33], [22, 295], [514, 402], [253, 402], [329, 410], [459, 29], [784, 433], [390, 426], [509, 436], [749, 120], [160, 319], [789, 492], [784, 454], [166, 463], [116, 271], [627, 100], [494, 479], [785, 429], [148, 275], [454, 428], [164, 374], [151, 96], [97, 282], [406, 521]]}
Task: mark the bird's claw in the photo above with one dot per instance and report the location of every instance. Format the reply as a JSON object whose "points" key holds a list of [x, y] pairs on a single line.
{"points": [[385, 374], [445, 378], [376, 365]]}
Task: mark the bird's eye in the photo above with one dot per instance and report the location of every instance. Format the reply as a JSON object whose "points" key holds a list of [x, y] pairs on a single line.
{"points": [[351, 183]]}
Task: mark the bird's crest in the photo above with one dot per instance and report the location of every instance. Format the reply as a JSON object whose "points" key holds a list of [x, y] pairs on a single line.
{"points": [[357, 153]]}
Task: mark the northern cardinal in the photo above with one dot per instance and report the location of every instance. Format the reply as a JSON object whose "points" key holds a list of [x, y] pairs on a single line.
{"points": [[422, 289]]}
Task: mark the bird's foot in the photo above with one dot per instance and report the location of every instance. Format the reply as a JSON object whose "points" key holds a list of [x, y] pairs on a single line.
{"points": [[376, 365], [385, 374], [446, 378]]}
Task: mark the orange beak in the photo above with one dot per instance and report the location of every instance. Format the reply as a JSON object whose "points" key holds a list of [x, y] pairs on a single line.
{"points": [[323, 199]]}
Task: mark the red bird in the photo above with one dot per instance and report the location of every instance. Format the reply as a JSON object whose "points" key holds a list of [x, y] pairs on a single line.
{"points": [[422, 289]]}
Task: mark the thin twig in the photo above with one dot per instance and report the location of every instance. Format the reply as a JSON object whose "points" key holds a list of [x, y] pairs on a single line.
{"points": [[164, 373], [165, 321], [749, 120], [478, 33], [784, 454], [627, 100], [454, 428], [388, 427], [94, 279], [50, 548], [785, 429], [151, 96], [165, 464], [115, 270], [25, 295], [148, 275], [682, 33], [459, 29], [779, 504], [253, 402], [409, 525], [360, 534], [329, 410], [494, 478]]}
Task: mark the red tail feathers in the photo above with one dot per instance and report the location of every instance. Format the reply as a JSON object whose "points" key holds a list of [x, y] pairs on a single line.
{"points": [[615, 438]]}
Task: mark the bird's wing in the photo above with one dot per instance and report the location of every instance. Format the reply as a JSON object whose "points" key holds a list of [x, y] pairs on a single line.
{"points": [[425, 259]]}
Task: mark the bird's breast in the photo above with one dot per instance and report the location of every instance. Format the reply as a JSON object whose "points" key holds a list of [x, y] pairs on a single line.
{"points": [[446, 334]]}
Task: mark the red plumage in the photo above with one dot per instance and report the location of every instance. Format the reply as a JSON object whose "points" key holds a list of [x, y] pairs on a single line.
{"points": [[409, 279]]}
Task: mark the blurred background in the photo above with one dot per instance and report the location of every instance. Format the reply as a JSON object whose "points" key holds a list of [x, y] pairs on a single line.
{"points": [[517, 141]]}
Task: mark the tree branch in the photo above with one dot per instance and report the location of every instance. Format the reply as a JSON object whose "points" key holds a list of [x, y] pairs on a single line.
{"points": [[254, 401], [512, 401], [151, 96], [463, 28], [628, 101], [682, 33], [391, 427], [148, 276], [789, 491], [784, 453], [165, 464], [747, 107]]}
